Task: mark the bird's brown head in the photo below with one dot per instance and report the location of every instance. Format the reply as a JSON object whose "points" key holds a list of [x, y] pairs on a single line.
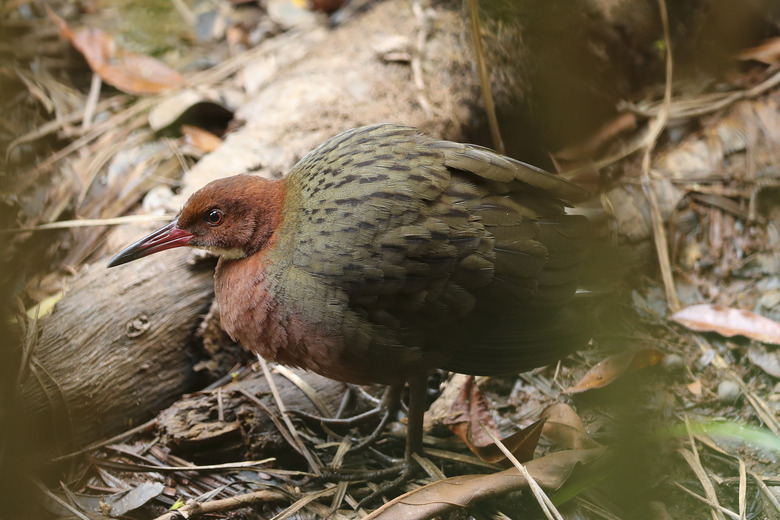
{"points": [[232, 217]]}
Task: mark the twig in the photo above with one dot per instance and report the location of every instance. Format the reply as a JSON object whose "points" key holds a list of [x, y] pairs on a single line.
{"points": [[687, 108], [91, 222], [659, 231], [674, 113], [28, 349], [429, 467], [484, 77], [761, 408], [598, 510], [719, 508], [305, 387], [220, 406], [550, 511], [283, 430], [57, 124], [112, 440], [416, 63], [742, 490], [37, 369], [313, 464], [92, 100], [139, 108], [60, 501], [195, 509], [304, 501], [766, 491], [142, 468], [692, 458]]}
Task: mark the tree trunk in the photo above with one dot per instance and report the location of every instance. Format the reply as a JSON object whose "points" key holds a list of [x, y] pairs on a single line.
{"points": [[117, 348]]}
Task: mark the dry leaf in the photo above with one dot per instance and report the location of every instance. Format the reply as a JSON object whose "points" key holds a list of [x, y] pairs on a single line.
{"points": [[769, 362], [615, 366], [695, 388], [467, 412], [470, 417], [438, 498], [768, 52], [128, 71], [728, 322], [565, 428], [201, 139], [201, 107]]}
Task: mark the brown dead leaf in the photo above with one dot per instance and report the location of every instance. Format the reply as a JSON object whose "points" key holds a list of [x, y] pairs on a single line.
{"points": [[470, 417], [468, 412], [438, 498], [695, 388], [615, 366], [565, 428], [128, 71], [599, 139], [767, 361], [728, 322], [521, 444], [201, 139], [768, 52]]}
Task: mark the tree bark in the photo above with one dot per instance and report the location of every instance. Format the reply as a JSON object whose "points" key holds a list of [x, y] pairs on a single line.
{"points": [[225, 424], [117, 348]]}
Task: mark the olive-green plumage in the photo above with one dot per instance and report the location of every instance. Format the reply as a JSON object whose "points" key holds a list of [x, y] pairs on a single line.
{"points": [[397, 252], [385, 253]]}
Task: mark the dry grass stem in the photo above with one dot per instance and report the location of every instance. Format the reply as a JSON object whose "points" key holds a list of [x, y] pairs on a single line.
{"points": [[309, 500], [314, 464], [759, 405], [305, 387], [716, 509], [92, 100], [549, 509], [93, 222], [484, 76], [59, 501], [195, 509], [692, 458]]}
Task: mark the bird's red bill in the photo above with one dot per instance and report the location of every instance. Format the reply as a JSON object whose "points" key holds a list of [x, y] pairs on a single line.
{"points": [[164, 238]]}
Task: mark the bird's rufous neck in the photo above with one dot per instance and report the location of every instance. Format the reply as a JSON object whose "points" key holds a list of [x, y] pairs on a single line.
{"points": [[268, 195]]}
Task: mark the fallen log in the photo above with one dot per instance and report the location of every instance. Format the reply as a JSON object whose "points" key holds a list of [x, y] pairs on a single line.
{"points": [[237, 421], [117, 348]]}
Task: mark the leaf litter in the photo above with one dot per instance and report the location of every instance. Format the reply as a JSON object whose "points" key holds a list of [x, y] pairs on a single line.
{"points": [[715, 189]]}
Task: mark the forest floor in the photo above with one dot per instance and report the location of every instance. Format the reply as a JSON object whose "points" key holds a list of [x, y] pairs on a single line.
{"points": [[149, 410]]}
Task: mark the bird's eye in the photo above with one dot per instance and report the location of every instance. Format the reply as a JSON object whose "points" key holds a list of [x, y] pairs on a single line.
{"points": [[214, 217]]}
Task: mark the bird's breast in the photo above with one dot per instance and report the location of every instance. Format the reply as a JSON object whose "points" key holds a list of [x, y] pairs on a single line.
{"points": [[260, 307], [247, 309]]}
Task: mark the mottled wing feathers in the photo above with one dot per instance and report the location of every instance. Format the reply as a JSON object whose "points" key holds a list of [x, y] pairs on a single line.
{"points": [[490, 165], [429, 242], [520, 344]]}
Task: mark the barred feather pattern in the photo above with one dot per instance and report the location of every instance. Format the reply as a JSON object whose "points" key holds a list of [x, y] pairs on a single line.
{"points": [[397, 252]]}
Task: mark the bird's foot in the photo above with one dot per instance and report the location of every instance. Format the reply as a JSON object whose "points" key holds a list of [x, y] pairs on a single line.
{"points": [[346, 422], [400, 473], [363, 475], [407, 471], [385, 410]]}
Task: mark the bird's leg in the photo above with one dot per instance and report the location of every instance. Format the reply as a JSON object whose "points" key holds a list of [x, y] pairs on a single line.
{"points": [[414, 429], [414, 432], [386, 410], [390, 402]]}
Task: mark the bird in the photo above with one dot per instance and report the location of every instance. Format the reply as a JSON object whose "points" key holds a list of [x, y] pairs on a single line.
{"points": [[385, 253]]}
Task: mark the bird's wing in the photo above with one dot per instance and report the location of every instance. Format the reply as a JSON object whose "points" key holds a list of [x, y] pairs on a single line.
{"points": [[426, 241]]}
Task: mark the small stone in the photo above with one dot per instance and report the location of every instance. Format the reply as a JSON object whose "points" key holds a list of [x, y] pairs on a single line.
{"points": [[674, 364], [728, 392]]}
